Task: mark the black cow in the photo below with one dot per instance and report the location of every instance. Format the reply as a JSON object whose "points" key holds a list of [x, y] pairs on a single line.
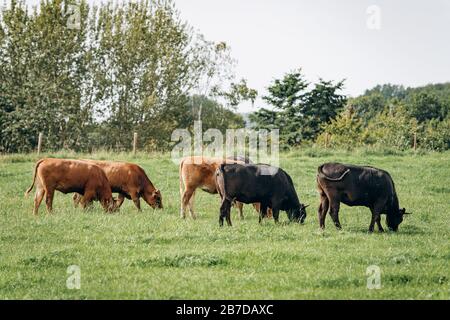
{"points": [[249, 183], [358, 186]]}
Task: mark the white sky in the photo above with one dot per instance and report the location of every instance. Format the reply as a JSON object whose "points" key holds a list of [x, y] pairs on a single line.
{"points": [[328, 39]]}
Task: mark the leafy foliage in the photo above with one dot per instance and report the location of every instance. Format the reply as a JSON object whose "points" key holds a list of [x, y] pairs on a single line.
{"points": [[426, 106], [128, 66], [436, 135], [391, 115], [344, 131], [394, 129], [299, 113]]}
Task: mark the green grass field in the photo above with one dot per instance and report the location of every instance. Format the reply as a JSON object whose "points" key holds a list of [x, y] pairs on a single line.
{"points": [[156, 255]]}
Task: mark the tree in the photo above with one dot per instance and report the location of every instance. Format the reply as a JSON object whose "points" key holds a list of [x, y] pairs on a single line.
{"points": [[287, 96], [426, 106], [392, 129], [238, 93], [42, 73], [214, 115], [345, 131], [264, 119], [388, 91], [322, 103], [297, 112], [368, 106], [126, 67]]}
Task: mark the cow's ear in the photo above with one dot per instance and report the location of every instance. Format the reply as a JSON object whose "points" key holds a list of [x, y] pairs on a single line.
{"points": [[306, 206]]}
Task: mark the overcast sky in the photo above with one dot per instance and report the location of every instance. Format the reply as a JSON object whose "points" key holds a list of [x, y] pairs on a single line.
{"points": [[330, 39], [398, 41]]}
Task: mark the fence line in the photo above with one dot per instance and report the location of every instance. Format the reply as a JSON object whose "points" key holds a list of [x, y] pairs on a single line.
{"points": [[135, 139], [39, 148]]}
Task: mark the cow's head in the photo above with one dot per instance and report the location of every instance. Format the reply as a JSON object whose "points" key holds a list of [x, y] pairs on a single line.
{"points": [[298, 214], [394, 220], [154, 199], [110, 204]]}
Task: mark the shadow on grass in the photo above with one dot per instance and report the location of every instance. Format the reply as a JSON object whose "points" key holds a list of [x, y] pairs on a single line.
{"points": [[409, 230]]}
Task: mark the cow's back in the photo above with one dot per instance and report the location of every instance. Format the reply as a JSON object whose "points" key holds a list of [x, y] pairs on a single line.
{"points": [[67, 175], [355, 185], [123, 176], [199, 171], [254, 183]]}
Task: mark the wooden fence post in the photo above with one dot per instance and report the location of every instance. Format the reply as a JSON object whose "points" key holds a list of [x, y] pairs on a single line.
{"points": [[415, 141], [327, 139], [135, 137], [39, 148]]}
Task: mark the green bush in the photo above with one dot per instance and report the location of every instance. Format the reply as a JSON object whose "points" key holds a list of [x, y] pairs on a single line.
{"points": [[435, 135], [392, 129], [387, 129], [345, 131]]}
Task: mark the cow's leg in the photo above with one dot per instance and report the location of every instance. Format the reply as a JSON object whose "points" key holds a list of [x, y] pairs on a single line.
{"points": [[334, 213], [120, 200], [376, 217], [239, 206], [378, 221], [137, 203], [372, 220], [191, 206], [87, 199], [135, 197], [262, 211], [49, 199], [38, 199], [185, 198], [275, 214], [228, 216], [76, 199], [323, 209], [225, 209]]}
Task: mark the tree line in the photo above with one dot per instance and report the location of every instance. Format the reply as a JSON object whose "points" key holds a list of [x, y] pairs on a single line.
{"points": [[88, 76], [384, 116]]}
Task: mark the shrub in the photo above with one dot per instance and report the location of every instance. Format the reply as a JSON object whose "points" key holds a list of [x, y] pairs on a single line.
{"points": [[346, 130], [435, 135], [392, 129]]}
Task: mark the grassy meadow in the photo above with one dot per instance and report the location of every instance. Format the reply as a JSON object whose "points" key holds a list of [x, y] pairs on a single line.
{"points": [[156, 255]]}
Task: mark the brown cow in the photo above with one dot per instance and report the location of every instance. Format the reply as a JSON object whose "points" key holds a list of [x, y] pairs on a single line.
{"points": [[199, 172], [69, 176], [130, 181]]}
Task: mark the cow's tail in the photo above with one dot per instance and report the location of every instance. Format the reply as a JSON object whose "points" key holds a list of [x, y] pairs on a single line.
{"points": [[180, 170], [219, 175], [34, 177], [320, 174]]}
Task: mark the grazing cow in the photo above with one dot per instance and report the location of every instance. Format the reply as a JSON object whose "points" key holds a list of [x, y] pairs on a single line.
{"points": [[69, 176], [268, 185], [358, 186], [198, 172], [129, 181]]}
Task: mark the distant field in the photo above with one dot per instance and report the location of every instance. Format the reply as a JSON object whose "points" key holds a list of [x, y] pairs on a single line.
{"points": [[156, 255]]}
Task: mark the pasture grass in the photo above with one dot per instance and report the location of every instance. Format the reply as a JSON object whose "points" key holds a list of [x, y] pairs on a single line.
{"points": [[156, 255]]}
